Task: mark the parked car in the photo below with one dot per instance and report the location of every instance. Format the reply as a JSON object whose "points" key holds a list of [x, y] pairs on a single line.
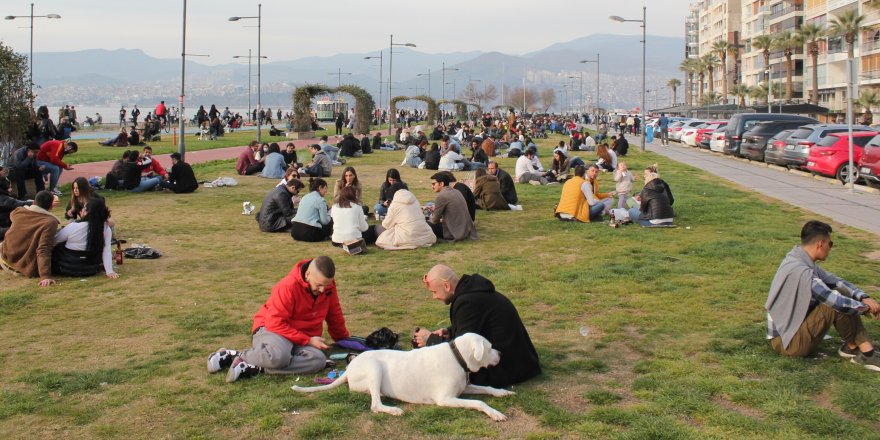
{"points": [[830, 156], [692, 136], [754, 141], [716, 143], [675, 133], [775, 147], [869, 164], [743, 122], [797, 146]]}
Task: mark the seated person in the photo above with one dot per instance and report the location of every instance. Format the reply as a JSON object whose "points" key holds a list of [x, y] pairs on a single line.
{"points": [[508, 189], [573, 199], [8, 203], [562, 163], [451, 161], [432, 157], [273, 164], [349, 221], [25, 167], [151, 130], [600, 203], [247, 163], [487, 192], [392, 176], [114, 178], [27, 247], [589, 144], [478, 158], [450, 218], [134, 137], [526, 172], [155, 168], [131, 174], [321, 164], [516, 147], [620, 146], [607, 158], [349, 146], [289, 154], [181, 179], [412, 157], [366, 147], [312, 223], [655, 201], [404, 225], [465, 192], [331, 151], [277, 211], [274, 131], [121, 139], [82, 247]]}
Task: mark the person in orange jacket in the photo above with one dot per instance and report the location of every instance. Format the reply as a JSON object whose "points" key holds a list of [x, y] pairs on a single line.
{"points": [[49, 160]]}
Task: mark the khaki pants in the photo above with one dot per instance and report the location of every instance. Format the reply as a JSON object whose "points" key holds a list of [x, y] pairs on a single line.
{"points": [[814, 327]]}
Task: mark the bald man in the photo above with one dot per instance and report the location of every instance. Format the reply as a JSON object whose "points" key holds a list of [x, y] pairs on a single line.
{"points": [[476, 307]]}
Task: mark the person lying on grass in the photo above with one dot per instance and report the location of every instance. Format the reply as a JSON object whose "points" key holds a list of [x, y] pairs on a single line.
{"points": [[805, 300]]}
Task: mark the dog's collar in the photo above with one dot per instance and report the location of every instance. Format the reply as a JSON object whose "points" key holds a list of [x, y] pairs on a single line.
{"points": [[458, 357]]}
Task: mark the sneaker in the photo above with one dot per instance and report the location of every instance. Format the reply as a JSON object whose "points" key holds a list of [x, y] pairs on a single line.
{"points": [[57, 193], [221, 359], [535, 182], [848, 353], [241, 369], [553, 183], [872, 363]]}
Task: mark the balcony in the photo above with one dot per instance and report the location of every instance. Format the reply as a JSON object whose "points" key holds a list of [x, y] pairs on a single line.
{"points": [[785, 11], [869, 46], [870, 75]]}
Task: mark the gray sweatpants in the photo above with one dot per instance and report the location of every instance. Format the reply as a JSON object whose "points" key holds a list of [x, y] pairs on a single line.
{"points": [[277, 355]]}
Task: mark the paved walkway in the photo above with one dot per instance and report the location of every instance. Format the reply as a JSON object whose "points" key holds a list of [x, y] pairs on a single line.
{"points": [[91, 169], [859, 209]]}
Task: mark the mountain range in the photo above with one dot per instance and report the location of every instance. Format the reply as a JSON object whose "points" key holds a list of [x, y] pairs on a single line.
{"points": [[126, 76]]}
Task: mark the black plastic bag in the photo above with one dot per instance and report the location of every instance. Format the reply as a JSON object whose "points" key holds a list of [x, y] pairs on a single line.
{"points": [[382, 338]]}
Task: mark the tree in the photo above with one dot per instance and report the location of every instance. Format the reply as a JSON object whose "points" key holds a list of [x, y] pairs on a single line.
{"points": [[721, 48], [740, 91], [710, 61], [15, 96], [764, 43], [690, 67], [524, 98], [810, 34], [758, 93], [867, 100], [473, 94], [848, 25], [710, 98], [548, 99], [673, 84], [489, 94], [788, 43], [701, 71]]}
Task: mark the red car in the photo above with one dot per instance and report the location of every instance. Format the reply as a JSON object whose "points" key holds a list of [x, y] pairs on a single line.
{"points": [[830, 156], [869, 164], [705, 134]]}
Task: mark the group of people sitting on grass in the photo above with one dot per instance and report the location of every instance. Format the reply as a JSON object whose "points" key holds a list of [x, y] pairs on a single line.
{"points": [[33, 244], [136, 172], [267, 160]]}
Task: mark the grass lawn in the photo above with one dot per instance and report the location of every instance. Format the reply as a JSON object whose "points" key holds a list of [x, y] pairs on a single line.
{"points": [[674, 346]]}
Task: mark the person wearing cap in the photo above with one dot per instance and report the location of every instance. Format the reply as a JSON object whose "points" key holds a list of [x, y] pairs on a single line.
{"points": [[526, 172], [181, 179], [287, 330]]}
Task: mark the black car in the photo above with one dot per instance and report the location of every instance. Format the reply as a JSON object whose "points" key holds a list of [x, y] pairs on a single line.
{"points": [[754, 141]]}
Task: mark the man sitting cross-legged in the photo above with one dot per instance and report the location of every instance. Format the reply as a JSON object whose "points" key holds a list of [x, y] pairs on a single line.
{"points": [[450, 217]]}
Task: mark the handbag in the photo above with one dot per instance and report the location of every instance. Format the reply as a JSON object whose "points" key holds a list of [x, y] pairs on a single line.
{"points": [[354, 247]]}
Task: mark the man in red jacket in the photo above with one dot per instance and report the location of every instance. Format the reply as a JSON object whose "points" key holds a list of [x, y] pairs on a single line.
{"points": [[49, 161], [287, 329]]}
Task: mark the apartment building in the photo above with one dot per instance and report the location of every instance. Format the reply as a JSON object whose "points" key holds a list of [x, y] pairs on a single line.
{"points": [[718, 20]]}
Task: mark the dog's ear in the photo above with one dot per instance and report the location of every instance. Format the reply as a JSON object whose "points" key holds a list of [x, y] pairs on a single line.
{"points": [[481, 348]]}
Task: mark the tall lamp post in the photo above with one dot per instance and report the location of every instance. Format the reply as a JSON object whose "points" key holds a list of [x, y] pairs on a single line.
{"points": [[31, 54], [581, 97], [392, 118], [429, 81], [644, 22], [597, 87], [249, 57], [181, 143], [259, 19], [379, 102], [444, 70]]}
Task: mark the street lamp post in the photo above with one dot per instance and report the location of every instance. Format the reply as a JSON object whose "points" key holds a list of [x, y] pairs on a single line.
{"points": [[644, 22], [259, 19], [597, 88], [181, 143], [392, 118], [429, 81], [581, 97], [444, 69], [249, 57], [31, 53], [338, 75], [379, 102]]}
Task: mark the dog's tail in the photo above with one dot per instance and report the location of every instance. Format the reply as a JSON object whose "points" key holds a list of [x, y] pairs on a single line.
{"points": [[336, 383]]}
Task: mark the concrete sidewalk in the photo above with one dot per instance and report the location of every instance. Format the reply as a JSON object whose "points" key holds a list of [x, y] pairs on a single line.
{"points": [[858, 209], [101, 169]]}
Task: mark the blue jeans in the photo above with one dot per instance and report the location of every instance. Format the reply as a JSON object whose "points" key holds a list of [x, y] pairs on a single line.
{"points": [[635, 214], [147, 183], [380, 209], [54, 172], [596, 212]]}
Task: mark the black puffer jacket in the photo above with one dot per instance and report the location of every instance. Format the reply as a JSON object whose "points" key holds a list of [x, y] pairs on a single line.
{"points": [[277, 210], [7, 205], [657, 201]]}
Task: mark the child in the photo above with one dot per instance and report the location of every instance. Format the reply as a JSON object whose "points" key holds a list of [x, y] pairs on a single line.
{"points": [[624, 179]]}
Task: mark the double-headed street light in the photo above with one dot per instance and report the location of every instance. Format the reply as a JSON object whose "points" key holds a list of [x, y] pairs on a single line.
{"points": [[597, 88], [31, 55], [379, 102], [580, 76], [392, 118], [259, 19], [644, 22], [444, 69], [249, 57]]}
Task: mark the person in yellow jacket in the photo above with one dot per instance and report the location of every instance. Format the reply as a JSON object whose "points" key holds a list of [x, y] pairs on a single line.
{"points": [[581, 199]]}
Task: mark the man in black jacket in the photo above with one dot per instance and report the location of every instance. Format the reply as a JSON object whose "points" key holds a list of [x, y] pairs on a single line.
{"points": [[181, 179], [25, 167], [508, 189], [476, 307], [277, 211]]}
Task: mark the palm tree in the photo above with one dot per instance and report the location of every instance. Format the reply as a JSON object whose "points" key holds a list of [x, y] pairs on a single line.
{"points": [[673, 84], [709, 62], [710, 98], [867, 100], [701, 71], [758, 92], [810, 34], [740, 91], [689, 67], [847, 24], [722, 47], [788, 43], [764, 43]]}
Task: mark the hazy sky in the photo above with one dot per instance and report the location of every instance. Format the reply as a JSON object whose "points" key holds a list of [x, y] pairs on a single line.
{"points": [[298, 28]]}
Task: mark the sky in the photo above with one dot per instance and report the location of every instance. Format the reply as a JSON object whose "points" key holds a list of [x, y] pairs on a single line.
{"points": [[294, 29]]}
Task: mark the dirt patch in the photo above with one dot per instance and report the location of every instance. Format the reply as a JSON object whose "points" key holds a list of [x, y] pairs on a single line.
{"points": [[873, 255], [737, 408]]}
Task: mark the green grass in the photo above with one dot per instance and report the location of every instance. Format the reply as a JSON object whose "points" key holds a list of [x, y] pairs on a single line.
{"points": [[676, 346]]}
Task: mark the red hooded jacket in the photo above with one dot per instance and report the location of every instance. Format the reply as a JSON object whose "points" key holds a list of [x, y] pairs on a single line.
{"points": [[293, 312], [52, 152]]}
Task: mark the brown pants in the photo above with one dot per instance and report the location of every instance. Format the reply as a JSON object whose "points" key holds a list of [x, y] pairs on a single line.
{"points": [[814, 327]]}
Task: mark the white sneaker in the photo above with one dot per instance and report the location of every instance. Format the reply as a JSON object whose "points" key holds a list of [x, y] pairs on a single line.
{"points": [[534, 182]]}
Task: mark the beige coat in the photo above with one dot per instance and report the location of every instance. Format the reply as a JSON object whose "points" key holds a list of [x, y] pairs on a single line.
{"points": [[405, 225], [29, 241]]}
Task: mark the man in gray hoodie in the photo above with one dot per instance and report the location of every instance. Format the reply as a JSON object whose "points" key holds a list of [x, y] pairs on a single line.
{"points": [[805, 300]]}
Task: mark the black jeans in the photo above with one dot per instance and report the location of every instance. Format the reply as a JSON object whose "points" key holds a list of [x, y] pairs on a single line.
{"points": [[303, 232], [22, 174]]}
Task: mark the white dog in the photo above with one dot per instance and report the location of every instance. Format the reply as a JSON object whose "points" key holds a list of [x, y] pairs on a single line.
{"points": [[432, 374]]}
